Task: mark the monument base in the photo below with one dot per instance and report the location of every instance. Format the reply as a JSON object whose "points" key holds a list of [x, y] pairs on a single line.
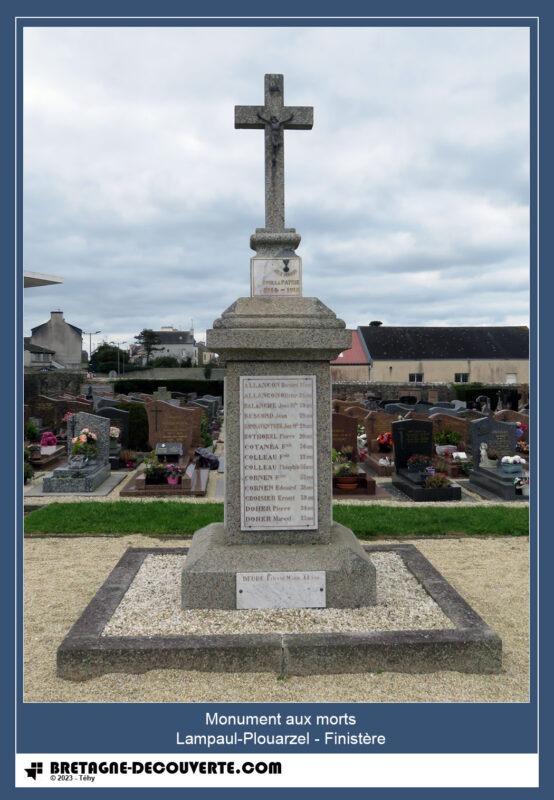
{"points": [[209, 577], [65, 480]]}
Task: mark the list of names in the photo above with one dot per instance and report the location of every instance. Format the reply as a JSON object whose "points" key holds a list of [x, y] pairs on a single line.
{"points": [[278, 452]]}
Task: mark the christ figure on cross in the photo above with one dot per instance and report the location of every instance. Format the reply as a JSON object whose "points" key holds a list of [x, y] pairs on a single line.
{"points": [[274, 117]]}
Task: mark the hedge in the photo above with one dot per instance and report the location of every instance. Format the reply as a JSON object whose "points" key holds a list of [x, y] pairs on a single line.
{"points": [[177, 385]]}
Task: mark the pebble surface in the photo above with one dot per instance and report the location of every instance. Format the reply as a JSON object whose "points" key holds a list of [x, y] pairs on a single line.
{"points": [[62, 575], [151, 607]]}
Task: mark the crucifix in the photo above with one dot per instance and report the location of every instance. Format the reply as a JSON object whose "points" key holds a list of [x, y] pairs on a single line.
{"points": [[274, 118]]}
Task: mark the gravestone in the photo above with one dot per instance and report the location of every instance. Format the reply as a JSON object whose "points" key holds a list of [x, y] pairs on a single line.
{"points": [[500, 437], [376, 423], [88, 477], [507, 415], [217, 401], [105, 402], [119, 419], [278, 487], [345, 432], [398, 408], [415, 437], [169, 452], [162, 393], [438, 409], [169, 423], [446, 422], [411, 437]]}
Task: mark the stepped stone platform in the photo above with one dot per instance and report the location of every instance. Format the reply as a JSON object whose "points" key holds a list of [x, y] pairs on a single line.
{"points": [[110, 636]]}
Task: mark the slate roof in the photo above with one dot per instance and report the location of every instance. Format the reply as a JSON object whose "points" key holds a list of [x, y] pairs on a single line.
{"points": [[45, 324], [35, 348], [175, 337], [393, 344]]}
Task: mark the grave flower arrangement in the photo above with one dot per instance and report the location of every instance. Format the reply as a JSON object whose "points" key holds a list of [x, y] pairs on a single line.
{"points": [[384, 442], [418, 462], [436, 482], [521, 429], [67, 416], [154, 470], [84, 444], [48, 443], [512, 463], [446, 442], [174, 474], [114, 433]]}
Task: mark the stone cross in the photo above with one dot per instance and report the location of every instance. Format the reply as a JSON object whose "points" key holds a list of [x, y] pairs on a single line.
{"points": [[274, 117]]}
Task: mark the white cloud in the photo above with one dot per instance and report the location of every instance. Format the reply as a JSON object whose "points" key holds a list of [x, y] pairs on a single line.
{"points": [[412, 187]]}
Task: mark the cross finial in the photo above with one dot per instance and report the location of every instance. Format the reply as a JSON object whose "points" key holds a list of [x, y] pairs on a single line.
{"points": [[274, 117]]}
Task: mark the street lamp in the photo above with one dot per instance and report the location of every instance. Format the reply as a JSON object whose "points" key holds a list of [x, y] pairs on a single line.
{"points": [[90, 334]]}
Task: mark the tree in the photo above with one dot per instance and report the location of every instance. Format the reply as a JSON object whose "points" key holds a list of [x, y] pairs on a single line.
{"points": [[148, 339], [375, 323], [107, 357]]}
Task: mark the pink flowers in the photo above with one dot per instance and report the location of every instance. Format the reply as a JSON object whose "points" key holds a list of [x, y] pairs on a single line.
{"points": [[48, 439], [67, 416]]}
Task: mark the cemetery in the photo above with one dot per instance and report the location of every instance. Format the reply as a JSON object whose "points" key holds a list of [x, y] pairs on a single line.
{"points": [[289, 511]]}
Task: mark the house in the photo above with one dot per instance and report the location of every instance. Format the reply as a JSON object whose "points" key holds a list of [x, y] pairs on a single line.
{"points": [[352, 364], [488, 355], [63, 339], [35, 356], [171, 343]]}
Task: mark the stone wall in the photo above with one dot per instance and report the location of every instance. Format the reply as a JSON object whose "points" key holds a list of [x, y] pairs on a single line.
{"points": [[51, 384], [358, 391]]}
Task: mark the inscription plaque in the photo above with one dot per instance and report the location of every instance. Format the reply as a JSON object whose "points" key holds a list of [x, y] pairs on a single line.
{"points": [[276, 277], [278, 452], [281, 589]]}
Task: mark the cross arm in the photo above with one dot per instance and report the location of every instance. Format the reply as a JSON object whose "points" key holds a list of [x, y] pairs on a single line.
{"points": [[249, 117], [302, 120]]}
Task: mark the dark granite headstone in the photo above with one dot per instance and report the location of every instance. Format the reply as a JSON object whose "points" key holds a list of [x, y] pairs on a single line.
{"points": [[118, 418], [411, 437], [498, 436], [170, 452]]}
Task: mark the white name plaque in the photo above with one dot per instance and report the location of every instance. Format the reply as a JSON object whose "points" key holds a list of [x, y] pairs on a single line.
{"points": [[276, 277], [278, 452], [281, 590]]}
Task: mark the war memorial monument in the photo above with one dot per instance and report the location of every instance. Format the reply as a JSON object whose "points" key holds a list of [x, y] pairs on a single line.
{"points": [[278, 547]]}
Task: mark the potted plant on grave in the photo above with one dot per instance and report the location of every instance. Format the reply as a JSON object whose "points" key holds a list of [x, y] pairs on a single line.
{"points": [[115, 447], [418, 462], [154, 471], [522, 447], [174, 474], [346, 474], [384, 443], [522, 485], [48, 443], [512, 464], [447, 442], [83, 447], [436, 482]]}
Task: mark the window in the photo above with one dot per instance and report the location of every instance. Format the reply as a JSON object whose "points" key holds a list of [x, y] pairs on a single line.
{"points": [[461, 377], [416, 377]]}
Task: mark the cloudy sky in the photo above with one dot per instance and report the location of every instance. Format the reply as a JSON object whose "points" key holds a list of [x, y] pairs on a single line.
{"points": [[410, 193]]}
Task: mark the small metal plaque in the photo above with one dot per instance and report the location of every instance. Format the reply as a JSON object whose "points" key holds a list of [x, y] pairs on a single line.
{"points": [[276, 277], [281, 589]]}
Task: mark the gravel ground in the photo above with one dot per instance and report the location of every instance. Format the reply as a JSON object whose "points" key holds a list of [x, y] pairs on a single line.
{"points": [[152, 607], [62, 575]]}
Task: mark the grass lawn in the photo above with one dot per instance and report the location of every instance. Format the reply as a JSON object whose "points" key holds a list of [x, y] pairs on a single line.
{"points": [[183, 519]]}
